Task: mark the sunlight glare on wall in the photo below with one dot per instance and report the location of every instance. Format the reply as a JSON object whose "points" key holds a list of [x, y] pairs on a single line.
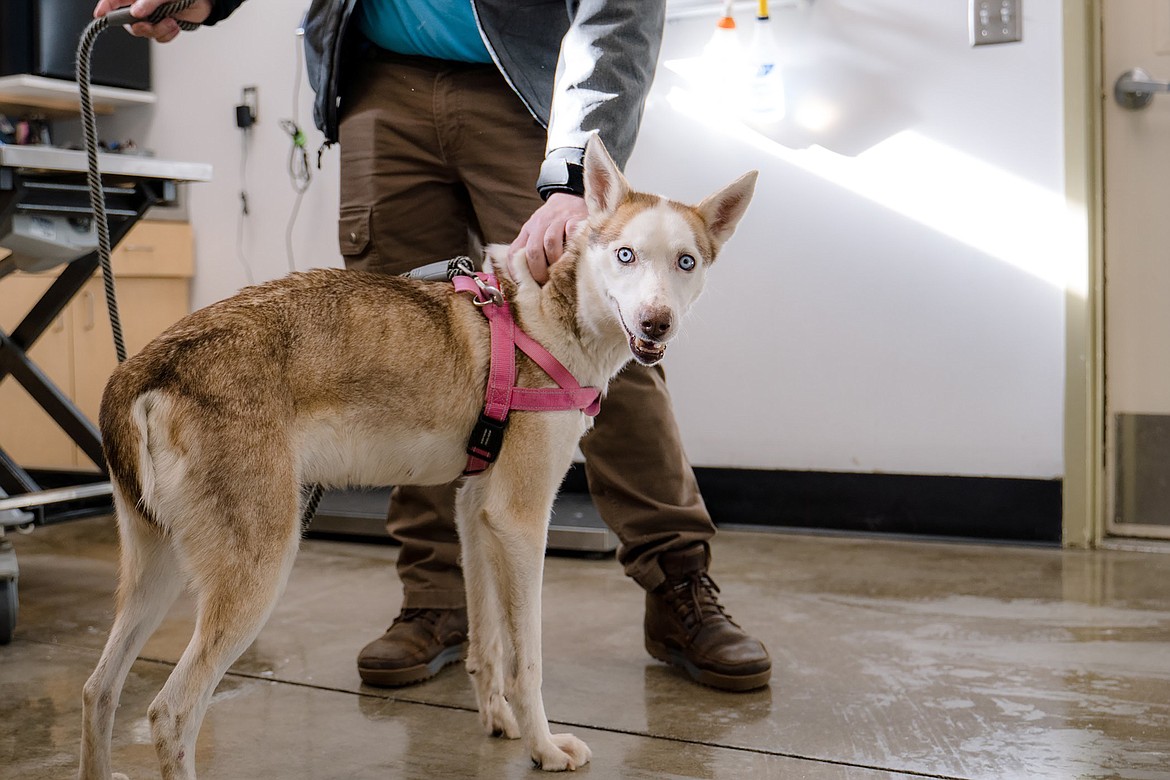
{"points": [[957, 194]]}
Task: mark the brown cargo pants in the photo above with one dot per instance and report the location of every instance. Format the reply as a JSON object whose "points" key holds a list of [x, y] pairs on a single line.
{"points": [[438, 158]]}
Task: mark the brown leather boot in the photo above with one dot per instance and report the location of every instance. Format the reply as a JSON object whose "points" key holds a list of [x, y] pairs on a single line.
{"points": [[687, 627], [417, 645]]}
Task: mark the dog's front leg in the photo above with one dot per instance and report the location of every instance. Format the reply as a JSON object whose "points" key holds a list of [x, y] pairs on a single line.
{"points": [[522, 587], [486, 635], [512, 525]]}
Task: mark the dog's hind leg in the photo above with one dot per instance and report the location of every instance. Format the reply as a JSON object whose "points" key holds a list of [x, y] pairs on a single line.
{"points": [[240, 545], [485, 651], [150, 580]]}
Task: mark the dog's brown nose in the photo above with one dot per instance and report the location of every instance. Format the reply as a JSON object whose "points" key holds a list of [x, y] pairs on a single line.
{"points": [[656, 323]]}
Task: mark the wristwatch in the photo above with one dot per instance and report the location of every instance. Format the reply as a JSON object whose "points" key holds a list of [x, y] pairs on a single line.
{"points": [[562, 171]]}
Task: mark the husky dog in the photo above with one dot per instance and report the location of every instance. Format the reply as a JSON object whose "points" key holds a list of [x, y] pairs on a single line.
{"points": [[343, 378]]}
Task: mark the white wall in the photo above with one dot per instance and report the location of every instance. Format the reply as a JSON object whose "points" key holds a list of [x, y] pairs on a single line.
{"points": [[893, 300], [198, 80], [893, 303]]}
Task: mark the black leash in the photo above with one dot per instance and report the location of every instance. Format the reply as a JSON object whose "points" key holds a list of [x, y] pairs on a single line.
{"points": [[97, 201], [89, 128], [443, 270]]}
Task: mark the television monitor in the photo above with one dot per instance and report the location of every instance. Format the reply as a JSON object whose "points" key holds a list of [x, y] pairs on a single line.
{"points": [[40, 37]]}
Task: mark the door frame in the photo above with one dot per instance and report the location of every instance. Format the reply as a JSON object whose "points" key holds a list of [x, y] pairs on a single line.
{"points": [[1083, 499]]}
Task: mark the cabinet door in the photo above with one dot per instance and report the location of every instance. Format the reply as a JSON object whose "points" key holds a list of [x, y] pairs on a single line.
{"points": [[156, 249], [153, 266], [27, 432], [147, 306]]}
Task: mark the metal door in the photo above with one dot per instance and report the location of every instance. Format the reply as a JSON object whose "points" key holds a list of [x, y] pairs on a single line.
{"points": [[1135, 47]]}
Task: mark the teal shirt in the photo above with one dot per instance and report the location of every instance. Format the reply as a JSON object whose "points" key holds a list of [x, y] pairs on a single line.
{"points": [[443, 29]]}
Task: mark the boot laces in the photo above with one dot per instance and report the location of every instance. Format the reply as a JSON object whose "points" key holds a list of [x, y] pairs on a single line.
{"points": [[694, 601], [414, 615]]}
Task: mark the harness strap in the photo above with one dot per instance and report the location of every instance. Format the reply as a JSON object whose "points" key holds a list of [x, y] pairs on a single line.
{"points": [[502, 394]]}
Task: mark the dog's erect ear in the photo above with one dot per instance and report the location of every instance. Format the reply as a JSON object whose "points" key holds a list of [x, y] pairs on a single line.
{"points": [[723, 210], [605, 186]]}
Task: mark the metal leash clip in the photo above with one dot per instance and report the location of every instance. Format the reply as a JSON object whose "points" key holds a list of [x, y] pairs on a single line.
{"points": [[459, 266], [487, 294]]}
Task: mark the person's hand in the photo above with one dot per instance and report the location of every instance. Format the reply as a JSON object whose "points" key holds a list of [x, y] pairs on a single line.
{"points": [[543, 235], [164, 31]]}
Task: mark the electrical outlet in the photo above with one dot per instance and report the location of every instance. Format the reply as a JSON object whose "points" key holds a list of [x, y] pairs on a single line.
{"points": [[248, 111], [996, 21]]}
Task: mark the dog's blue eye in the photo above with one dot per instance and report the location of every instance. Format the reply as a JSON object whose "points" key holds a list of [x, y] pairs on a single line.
{"points": [[625, 255], [686, 262]]}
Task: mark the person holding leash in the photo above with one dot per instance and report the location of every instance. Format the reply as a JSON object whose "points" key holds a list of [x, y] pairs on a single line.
{"points": [[444, 110]]}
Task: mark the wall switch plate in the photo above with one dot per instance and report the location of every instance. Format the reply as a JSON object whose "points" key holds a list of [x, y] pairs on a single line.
{"points": [[996, 21]]}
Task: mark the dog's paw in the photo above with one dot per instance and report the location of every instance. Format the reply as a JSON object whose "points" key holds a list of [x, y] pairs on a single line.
{"points": [[564, 752], [498, 719], [118, 776]]}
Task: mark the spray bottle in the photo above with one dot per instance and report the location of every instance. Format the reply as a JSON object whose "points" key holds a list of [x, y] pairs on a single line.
{"points": [[723, 59], [764, 103]]}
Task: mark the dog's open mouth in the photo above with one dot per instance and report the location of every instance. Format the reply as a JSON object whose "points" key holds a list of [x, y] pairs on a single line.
{"points": [[647, 352]]}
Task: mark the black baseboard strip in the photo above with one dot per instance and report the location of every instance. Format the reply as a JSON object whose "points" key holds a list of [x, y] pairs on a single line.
{"points": [[988, 508]]}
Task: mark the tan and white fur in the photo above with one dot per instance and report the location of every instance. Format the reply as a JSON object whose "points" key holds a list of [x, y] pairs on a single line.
{"points": [[345, 378]]}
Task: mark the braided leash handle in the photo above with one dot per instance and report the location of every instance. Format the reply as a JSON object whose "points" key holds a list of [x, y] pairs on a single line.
{"points": [[89, 127], [123, 15]]}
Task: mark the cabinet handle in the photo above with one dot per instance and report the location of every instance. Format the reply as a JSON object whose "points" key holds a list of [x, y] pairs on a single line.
{"points": [[138, 248], [89, 311]]}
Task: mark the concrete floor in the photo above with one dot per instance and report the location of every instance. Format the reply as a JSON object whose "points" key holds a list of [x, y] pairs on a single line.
{"points": [[893, 659]]}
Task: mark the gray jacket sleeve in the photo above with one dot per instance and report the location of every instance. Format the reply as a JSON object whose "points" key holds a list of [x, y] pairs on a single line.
{"points": [[603, 77]]}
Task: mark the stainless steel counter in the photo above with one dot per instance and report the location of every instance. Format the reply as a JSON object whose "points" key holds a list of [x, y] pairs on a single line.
{"points": [[45, 214], [49, 159]]}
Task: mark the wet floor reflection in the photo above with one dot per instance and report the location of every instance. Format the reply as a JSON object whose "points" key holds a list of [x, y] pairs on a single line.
{"points": [[941, 660]]}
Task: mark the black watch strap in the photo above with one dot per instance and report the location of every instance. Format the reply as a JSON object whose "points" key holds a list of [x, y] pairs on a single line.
{"points": [[562, 171]]}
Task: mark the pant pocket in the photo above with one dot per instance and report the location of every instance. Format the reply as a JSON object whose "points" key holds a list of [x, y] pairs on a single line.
{"points": [[353, 236]]}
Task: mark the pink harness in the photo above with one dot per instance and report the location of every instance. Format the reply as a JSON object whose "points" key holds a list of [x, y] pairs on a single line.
{"points": [[502, 394]]}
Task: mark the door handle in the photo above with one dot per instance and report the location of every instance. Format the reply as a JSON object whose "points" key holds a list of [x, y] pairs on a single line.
{"points": [[1134, 89]]}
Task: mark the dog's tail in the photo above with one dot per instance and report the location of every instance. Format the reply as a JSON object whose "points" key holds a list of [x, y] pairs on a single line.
{"points": [[125, 424]]}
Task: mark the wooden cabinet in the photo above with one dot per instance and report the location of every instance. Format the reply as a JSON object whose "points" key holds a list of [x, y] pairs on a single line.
{"points": [[26, 431], [153, 266]]}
